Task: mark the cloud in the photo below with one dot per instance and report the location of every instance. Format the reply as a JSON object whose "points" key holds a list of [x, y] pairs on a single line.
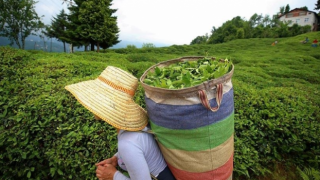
{"points": [[49, 9], [180, 21], [176, 21]]}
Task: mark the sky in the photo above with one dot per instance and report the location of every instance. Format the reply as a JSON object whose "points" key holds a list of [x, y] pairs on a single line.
{"points": [[176, 21]]}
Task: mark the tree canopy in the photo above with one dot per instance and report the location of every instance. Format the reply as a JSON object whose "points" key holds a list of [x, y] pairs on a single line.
{"points": [[58, 27], [97, 23], [317, 5], [91, 22], [18, 20]]}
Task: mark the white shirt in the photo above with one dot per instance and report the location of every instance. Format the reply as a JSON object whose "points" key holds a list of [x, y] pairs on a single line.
{"points": [[139, 154]]}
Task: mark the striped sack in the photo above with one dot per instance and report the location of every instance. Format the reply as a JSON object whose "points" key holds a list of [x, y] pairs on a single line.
{"points": [[194, 126]]}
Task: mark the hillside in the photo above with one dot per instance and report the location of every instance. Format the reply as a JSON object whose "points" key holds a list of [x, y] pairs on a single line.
{"points": [[36, 43], [46, 134]]}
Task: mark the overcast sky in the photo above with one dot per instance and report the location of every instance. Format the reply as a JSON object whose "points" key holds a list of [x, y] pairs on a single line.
{"points": [[177, 21]]}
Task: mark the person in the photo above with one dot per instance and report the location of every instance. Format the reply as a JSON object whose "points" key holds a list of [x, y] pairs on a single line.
{"points": [[305, 41], [314, 43], [110, 98]]}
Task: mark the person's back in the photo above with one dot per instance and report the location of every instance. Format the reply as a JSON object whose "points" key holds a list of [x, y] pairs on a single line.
{"points": [[140, 153]]}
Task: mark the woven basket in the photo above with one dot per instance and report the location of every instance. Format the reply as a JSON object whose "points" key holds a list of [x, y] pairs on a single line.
{"points": [[194, 126]]}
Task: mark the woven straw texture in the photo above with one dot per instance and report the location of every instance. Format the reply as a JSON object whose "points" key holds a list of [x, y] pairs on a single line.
{"points": [[110, 97], [196, 142]]}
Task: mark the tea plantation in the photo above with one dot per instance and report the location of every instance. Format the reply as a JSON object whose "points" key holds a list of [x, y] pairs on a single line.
{"points": [[46, 134]]}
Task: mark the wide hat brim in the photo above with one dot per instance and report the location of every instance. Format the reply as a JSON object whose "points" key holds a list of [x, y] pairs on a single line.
{"points": [[111, 105]]}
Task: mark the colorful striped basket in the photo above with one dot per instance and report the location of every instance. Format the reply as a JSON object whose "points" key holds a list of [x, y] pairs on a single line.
{"points": [[194, 126]]}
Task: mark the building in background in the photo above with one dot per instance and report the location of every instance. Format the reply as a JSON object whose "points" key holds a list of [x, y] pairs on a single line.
{"points": [[301, 17]]}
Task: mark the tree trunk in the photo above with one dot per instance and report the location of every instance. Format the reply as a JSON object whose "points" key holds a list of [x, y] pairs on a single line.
{"points": [[98, 46], [16, 39], [85, 48], [64, 46], [92, 46], [51, 46], [44, 45], [23, 43]]}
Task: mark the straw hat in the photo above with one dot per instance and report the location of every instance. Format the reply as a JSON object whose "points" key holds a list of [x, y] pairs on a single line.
{"points": [[110, 97]]}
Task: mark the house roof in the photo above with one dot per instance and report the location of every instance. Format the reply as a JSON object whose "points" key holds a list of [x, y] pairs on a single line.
{"points": [[298, 9]]}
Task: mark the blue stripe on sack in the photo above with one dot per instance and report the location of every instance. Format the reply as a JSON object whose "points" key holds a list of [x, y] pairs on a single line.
{"points": [[189, 116]]}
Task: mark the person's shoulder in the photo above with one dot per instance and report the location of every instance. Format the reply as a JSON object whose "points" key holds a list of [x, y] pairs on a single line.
{"points": [[129, 135]]}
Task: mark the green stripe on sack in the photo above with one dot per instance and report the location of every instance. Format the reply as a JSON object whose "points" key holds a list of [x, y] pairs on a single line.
{"points": [[200, 139]]}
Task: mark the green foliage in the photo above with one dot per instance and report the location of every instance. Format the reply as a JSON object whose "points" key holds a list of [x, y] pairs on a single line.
{"points": [[287, 9], [309, 173], [58, 27], [46, 134], [18, 20], [148, 45], [317, 5], [256, 27], [240, 33], [187, 74], [91, 23], [129, 46], [200, 40], [139, 57], [97, 23]]}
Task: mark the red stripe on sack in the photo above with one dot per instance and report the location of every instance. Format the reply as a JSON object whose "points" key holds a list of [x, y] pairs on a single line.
{"points": [[221, 173]]}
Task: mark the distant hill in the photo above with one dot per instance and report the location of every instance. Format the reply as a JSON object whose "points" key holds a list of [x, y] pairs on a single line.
{"points": [[125, 43], [36, 43]]}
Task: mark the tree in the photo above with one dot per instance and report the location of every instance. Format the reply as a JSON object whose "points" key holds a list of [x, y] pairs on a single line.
{"points": [[229, 31], [282, 10], [58, 28], [148, 45], [317, 5], [200, 40], [3, 16], [304, 8], [73, 32], [255, 19], [97, 23], [287, 8], [266, 21], [19, 20]]}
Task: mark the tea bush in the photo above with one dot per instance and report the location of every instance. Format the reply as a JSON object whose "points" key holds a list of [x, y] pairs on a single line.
{"points": [[46, 134]]}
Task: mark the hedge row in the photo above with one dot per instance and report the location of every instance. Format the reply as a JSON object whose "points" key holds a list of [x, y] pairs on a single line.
{"points": [[46, 134]]}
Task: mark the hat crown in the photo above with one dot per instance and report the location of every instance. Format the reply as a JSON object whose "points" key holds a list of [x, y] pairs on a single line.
{"points": [[119, 80]]}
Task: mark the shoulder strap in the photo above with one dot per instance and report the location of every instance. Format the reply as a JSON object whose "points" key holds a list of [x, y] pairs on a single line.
{"points": [[147, 130]]}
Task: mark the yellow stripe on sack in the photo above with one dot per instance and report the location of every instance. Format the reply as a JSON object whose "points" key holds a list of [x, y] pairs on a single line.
{"points": [[199, 161]]}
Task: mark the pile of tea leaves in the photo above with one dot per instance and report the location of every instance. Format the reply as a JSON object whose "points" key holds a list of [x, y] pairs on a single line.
{"points": [[188, 73]]}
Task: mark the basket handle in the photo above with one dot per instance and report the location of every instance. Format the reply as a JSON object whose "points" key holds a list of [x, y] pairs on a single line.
{"points": [[204, 99]]}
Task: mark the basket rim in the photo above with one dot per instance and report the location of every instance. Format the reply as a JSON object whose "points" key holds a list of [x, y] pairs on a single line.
{"points": [[210, 84]]}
